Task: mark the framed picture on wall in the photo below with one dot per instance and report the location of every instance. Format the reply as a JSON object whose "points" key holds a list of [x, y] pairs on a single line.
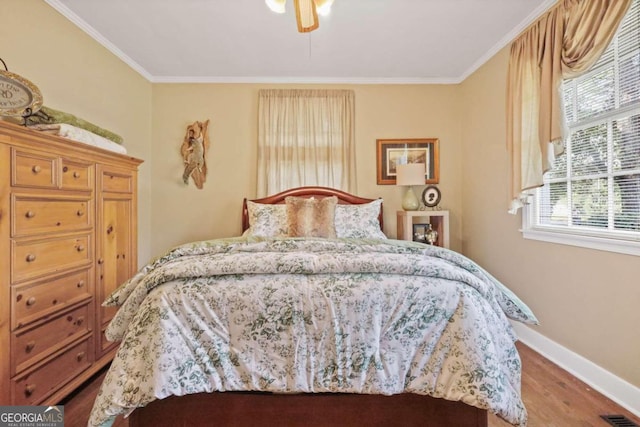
{"points": [[420, 232], [392, 152]]}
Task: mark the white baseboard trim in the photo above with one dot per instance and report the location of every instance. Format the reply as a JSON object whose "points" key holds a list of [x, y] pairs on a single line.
{"points": [[615, 388]]}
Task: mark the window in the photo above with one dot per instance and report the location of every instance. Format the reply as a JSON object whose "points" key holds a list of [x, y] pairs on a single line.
{"points": [[305, 138], [591, 197]]}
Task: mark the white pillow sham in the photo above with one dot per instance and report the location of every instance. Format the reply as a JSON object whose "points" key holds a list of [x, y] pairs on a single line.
{"points": [[266, 220], [359, 221]]}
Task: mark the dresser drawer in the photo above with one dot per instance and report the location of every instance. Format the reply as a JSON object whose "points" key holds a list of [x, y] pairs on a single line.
{"points": [[39, 214], [36, 343], [33, 169], [76, 175], [35, 300], [37, 385], [117, 182], [30, 259]]}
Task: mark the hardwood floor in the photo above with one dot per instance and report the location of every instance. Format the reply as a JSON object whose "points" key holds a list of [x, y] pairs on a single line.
{"points": [[77, 406], [552, 396]]}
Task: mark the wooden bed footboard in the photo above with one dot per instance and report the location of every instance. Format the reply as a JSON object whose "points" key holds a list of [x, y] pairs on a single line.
{"points": [[244, 409]]}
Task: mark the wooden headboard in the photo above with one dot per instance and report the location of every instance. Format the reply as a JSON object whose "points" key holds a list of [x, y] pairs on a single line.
{"points": [[344, 198]]}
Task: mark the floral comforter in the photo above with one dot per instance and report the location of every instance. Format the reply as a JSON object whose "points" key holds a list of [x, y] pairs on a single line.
{"points": [[314, 315]]}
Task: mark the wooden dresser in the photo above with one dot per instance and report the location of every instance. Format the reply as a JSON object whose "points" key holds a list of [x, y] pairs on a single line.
{"points": [[68, 219]]}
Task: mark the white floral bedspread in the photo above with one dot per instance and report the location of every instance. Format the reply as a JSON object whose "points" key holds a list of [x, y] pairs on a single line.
{"points": [[314, 315]]}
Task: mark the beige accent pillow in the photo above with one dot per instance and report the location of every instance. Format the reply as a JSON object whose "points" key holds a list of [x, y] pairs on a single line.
{"points": [[311, 217]]}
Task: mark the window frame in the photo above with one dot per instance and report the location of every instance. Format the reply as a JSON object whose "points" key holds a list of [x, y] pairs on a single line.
{"points": [[603, 241]]}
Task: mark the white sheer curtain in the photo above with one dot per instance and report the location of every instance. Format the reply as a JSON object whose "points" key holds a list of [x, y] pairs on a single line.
{"points": [[306, 137]]}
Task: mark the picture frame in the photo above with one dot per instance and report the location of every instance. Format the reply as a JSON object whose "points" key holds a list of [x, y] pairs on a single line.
{"points": [[431, 196], [420, 233], [391, 152]]}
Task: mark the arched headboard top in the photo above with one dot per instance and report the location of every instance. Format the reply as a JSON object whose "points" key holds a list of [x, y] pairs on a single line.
{"points": [[344, 198]]}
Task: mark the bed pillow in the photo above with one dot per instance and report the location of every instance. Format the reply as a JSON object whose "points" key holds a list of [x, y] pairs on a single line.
{"points": [[311, 217], [359, 221], [266, 220]]}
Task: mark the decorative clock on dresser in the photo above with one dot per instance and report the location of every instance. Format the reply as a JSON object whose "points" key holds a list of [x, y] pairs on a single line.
{"points": [[68, 221]]}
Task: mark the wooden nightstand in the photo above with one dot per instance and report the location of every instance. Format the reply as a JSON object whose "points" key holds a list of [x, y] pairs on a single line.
{"points": [[439, 221]]}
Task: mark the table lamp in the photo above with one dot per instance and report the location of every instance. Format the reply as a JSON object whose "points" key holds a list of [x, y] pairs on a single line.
{"points": [[409, 175]]}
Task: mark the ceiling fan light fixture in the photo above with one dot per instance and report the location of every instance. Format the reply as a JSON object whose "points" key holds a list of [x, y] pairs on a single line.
{"points": [[307, 11], [276, 6], [306, 15], [323, 7]]}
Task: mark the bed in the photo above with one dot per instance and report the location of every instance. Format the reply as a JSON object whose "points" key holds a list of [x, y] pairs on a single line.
{"points": [[288, 325]]}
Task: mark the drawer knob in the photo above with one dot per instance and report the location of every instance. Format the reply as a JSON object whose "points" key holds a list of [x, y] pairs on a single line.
{"points": [[30, 214], [80, 284], [100, 261], [79, 320], [29, 389], [80, 356], [36, 169], [80, 248], [76, 174], [31, 258], [30, 346], [31, 301], [80, 212]]}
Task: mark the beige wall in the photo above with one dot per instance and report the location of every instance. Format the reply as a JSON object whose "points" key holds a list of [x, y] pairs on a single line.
{"points": [[77, 75], [586, 300], [184, 213]]}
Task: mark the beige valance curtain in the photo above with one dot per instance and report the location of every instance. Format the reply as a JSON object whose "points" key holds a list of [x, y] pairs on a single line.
{"points": [[563, 43], [306, 137]]}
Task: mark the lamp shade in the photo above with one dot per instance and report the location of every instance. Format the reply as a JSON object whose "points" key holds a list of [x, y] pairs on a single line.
{"points": [[411, 174]]}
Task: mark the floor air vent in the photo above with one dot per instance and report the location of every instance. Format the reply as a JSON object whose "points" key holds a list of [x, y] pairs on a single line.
{"points": [[619, 421]]}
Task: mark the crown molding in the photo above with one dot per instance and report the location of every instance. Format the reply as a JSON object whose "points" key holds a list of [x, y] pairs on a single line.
{"points": [[308, 80]]}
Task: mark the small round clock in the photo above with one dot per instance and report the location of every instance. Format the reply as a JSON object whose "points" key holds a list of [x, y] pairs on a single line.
{"points": [[431, 196], [18, 96]]}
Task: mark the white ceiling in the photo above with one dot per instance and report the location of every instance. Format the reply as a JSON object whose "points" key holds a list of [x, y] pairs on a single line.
{"points": [[361, 41]]}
